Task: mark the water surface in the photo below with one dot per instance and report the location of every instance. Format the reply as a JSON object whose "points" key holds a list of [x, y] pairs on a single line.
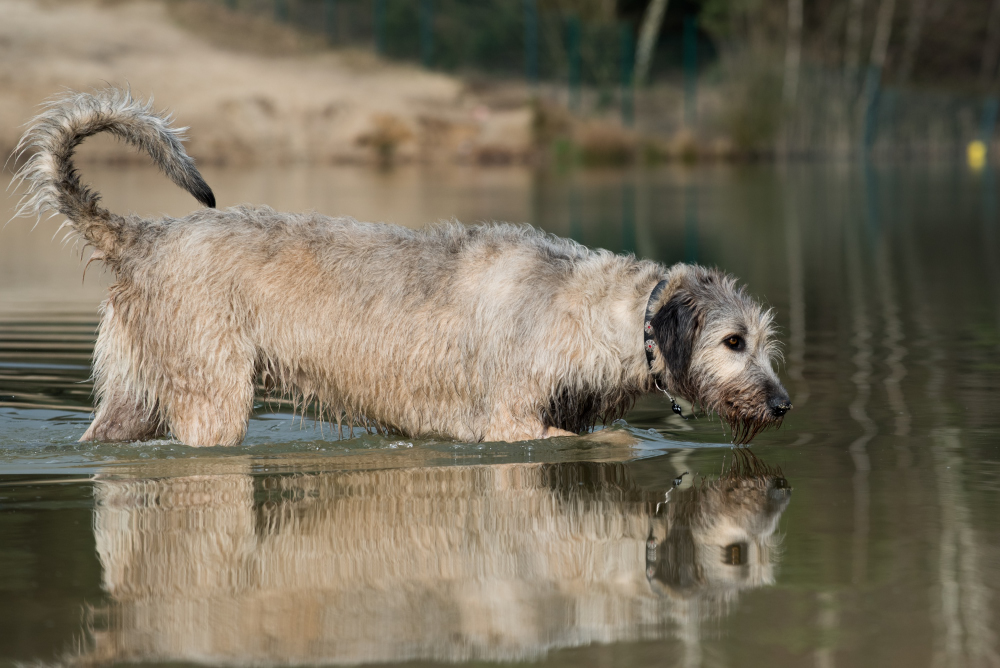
{"points": [[863, 532]]}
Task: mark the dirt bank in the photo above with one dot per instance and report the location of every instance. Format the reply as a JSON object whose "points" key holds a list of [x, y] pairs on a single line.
{"points": [[251, 92]]}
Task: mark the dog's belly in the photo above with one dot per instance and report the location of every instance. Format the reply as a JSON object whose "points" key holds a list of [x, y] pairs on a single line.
{"points": [[425, 364]]}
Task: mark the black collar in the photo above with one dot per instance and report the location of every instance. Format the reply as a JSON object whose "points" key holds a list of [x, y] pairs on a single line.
{"points": [[648, 344]]}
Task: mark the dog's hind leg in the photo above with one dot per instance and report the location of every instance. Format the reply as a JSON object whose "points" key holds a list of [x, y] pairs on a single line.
{"points": [[209, 398], [122, 417], [200, 388], [124, 411]]}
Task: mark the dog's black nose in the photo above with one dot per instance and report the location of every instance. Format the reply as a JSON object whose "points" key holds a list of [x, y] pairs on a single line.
{"points": [[779, 405]]}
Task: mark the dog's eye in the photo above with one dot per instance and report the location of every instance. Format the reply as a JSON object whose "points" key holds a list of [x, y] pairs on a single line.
{"points": [[735, 554], [735, 342]]}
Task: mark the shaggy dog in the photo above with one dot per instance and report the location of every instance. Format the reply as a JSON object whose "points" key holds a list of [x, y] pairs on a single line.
{"points": [[486, 333]]}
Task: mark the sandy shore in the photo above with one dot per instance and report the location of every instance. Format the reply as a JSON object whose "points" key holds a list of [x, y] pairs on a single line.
{"points": [[287, 103]]}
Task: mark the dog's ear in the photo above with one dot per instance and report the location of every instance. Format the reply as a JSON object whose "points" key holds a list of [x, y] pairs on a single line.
{"points": [[675, 327]]}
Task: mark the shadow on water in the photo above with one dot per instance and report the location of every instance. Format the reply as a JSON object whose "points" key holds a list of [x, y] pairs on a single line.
{"points": [[506, 562]]}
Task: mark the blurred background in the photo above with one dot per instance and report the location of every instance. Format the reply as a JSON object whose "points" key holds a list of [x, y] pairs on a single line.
{"points": [[523, 81]]}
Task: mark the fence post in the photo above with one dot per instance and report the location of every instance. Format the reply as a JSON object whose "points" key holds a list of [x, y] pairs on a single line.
{"points": [[330, 20], [380, 27], [628, 215], [873, 80], [575, 212], [988, 123], [690, 47], [626, 53], [426, 32], [649, 32], [531, 41], [573, 47], [281, 10]]}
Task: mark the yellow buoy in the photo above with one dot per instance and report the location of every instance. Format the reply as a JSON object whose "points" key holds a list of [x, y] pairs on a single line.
{"points": [[976, 154]]}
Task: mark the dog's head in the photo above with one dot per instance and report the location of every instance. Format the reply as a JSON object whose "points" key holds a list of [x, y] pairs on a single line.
{"points": [[716, 348]]}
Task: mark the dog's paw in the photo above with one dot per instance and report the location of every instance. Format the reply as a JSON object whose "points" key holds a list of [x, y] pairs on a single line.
{"points": [[553, 432], [613, 437]]}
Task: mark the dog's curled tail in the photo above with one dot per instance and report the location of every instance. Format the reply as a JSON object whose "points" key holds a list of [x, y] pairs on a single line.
{"points": [[53, 183]]}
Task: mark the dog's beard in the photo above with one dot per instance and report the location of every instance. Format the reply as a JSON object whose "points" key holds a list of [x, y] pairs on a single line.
{"points": [[745, 428], [744, 422]]}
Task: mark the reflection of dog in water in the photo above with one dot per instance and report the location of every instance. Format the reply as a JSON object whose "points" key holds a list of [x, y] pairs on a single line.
{"points": [[493, 332], [457, 563], [717, 538]]}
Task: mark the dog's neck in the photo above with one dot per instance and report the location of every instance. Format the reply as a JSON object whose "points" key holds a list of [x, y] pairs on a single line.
{"points": [[649, 344]]}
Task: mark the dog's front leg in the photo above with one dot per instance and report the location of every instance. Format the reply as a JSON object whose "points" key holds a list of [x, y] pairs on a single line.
{"points": [[513, 430], [199, 418]]}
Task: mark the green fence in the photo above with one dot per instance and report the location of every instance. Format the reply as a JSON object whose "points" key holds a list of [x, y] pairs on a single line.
{"points": [[503, 37], [587, 61]]}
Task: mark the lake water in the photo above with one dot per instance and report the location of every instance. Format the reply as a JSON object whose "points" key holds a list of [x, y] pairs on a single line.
{"points": [[864, 532]]}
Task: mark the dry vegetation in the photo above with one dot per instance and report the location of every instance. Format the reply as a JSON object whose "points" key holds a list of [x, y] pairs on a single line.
{"points": [[254, 91], [251, 91], [240, 31], [257, 92]]}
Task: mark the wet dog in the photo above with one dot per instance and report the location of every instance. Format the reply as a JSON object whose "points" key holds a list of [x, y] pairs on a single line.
{"points": [[485, 333]]}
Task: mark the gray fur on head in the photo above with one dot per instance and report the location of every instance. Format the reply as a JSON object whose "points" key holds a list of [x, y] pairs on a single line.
{"points": [[491, 332]]}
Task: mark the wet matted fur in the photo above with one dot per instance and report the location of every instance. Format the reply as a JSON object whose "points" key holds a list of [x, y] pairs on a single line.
{"points": [[491, 332]]}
